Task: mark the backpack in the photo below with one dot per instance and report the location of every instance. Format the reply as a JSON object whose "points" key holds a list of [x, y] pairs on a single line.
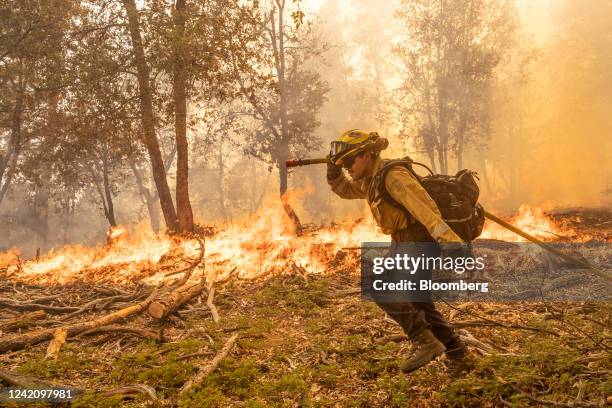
{"points": [[456, 197]]}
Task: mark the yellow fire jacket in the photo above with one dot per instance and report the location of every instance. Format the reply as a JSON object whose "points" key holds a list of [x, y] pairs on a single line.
{"points": [[406, 190]]}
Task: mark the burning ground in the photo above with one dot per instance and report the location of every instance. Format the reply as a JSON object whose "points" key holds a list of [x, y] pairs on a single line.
{"points": [[252, 316]]}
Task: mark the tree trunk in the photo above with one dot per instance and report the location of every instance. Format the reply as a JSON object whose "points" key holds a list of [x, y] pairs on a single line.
{"points": [[151, 199], [282, 170], [41, 208], [485, 173], [41, 214], [441, 159], [146, 196], [108, 194], [443, 141], [148, 119], [179, 85], [283, 143], [432, 161], [68, 218], [102, 193], [430, 136], [153, 210], [8, 164], [444, 117], [461, 141]]}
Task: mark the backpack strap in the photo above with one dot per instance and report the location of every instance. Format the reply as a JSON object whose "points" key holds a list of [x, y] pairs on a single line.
{"points": [[379, 182], [382, 175], [381, 189], [431, 173]]}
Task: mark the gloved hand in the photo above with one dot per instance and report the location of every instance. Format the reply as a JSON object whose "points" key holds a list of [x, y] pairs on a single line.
{"points": [[456, 250], [333, 170]]}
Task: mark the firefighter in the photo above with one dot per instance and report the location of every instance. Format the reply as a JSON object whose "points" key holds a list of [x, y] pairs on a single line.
{"points": [[358, 152]]}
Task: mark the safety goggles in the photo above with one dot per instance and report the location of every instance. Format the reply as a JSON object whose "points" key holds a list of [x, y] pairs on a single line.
{"points": [[339, 147]]}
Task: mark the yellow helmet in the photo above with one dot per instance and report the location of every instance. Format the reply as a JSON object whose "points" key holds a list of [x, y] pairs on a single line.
{"points": [[353, 142]]}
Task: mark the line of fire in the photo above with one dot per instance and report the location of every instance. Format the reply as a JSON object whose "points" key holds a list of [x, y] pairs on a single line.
{"points": [[305, 203]]}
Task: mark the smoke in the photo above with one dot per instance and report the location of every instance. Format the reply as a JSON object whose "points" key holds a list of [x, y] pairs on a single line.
{"points": [[549, 142], [551, 133]]}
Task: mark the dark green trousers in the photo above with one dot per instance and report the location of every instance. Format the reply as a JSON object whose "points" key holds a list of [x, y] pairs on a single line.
{"points": [[414, 317]]}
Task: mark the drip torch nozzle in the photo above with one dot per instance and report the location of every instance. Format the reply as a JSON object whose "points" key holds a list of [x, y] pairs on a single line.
{"points": [[304, 162]]}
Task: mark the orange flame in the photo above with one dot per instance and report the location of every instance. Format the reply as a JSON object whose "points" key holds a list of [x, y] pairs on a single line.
{"points": [[255, 247], [533, 221], [114, 233]]}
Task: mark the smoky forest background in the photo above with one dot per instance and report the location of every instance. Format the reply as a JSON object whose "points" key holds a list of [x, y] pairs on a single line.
{"points": [[174, 113]]}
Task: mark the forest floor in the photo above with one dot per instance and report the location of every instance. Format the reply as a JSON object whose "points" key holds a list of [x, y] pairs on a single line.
{"points": [[309, 340]]}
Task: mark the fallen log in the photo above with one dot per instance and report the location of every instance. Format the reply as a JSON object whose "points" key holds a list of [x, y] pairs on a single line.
{"points": [[209, 368], [171, 301], [59, 338], [16, 342], [23, 321]]}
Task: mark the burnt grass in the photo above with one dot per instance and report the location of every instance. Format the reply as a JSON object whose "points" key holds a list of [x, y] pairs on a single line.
{"points": [[309, 341]]}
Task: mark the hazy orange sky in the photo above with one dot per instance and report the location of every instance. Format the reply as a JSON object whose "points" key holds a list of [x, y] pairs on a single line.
{"points": [[536, 15]]}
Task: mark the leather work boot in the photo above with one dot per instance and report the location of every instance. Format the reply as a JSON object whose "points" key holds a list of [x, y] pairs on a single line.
{"points": [[427, 348], [458, 361]]}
